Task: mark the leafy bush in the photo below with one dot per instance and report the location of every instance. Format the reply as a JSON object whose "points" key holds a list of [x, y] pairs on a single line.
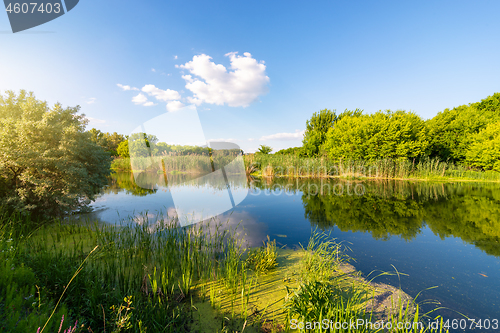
{"points": [[122, 149], [263, 149], [48, 163], [109, 142], [484, 151], [388, 134], [316, 129], [297, 151], [452, 131]]}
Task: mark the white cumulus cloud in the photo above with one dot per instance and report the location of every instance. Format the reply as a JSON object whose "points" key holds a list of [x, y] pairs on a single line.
{"points": [[91, 100], [284, 136], [159, 94], [126, 87], [140, 99], [212, 83], [174, 106]]}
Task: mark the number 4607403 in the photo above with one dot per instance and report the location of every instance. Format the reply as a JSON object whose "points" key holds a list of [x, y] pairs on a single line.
{"points": [[33, 7]]}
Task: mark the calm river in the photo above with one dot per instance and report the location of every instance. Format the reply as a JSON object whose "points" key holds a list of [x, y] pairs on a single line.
{"points": [[438, 234]]}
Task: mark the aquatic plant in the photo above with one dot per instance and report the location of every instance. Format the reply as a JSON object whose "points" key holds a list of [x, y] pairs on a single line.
{"points": [[264, 258], [152, 276], [327, 297]]}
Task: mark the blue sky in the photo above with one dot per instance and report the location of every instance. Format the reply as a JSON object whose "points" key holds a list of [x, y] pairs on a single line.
{"points": [[293, 59]]}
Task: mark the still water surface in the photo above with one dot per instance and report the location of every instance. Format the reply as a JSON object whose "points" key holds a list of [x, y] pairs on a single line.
{"points": [[444, 235]]}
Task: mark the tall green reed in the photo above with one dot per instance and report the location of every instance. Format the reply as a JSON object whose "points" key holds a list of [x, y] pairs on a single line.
{"points": [[327, 298], [422, 168]]}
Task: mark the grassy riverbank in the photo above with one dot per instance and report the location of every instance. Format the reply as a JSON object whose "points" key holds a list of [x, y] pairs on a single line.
{"points": [[424, 169], [293, 166], [159, 278]]}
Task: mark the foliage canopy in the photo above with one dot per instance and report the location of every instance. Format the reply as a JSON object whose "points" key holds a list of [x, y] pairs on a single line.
{"points": [[484, 150], [452, 131], [389, 134], [263, 149], [48, 162], [297, 151], [316, 130], [110, 142]]}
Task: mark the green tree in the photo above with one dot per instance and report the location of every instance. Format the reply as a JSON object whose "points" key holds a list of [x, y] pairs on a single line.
{"points": [[297, 151], [316, 129], [113, 140], [161, 148], [384, 134], [108, 141], [484, 150], [98, 137], [452, 131], [122, 149], [49, 164], [350, 113], [263, 149], [142, 144]]}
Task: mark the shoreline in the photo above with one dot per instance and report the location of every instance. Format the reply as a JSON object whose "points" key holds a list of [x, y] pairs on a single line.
{"points": [[361, 178], [272, 290], [343, 177], [270, 166]]}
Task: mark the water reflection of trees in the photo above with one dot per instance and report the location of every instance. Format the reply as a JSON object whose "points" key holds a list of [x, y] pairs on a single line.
{"points": [[125, 181], [382, 217], [151, 181], [468, 211], [473, 214], [384, 209]]}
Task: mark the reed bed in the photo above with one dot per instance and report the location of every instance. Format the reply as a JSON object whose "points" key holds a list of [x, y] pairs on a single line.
{"points": [[188, 163], [424, 168], [140, 276], [329, 300], [293, 166], [151, 277]]}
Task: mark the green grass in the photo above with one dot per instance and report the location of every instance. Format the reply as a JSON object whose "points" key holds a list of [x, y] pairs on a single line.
{"points": [[263, 259], [293, 166], [159, 278], [154, 267], [327, 297], [425, 169], [121, 164], [192, 163]]}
